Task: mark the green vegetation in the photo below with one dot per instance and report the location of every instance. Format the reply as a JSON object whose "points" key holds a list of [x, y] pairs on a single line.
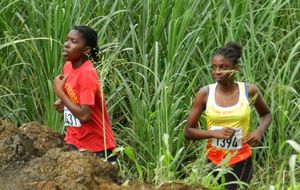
{"points": [[155, 57]]}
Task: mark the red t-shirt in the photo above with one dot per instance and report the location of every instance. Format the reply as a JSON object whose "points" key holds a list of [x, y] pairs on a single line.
{"points": [[83, 88]]}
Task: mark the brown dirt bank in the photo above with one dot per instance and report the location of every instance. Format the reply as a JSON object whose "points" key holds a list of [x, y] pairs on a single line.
{"points": [[33, 157]]}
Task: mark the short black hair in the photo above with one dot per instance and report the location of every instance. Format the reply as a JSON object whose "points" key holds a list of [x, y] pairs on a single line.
{"points": [[90, 37], [231, 51]]}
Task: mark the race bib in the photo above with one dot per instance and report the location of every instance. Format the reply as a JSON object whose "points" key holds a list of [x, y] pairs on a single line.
{"points": [[70, 119], [233, 143]]}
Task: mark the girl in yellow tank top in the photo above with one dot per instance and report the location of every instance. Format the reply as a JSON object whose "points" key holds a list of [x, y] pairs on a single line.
{"points": [[226, 105]]}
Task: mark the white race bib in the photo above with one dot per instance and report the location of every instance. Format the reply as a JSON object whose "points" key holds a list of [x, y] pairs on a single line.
{"points": [[233, 143], [70, 119]]}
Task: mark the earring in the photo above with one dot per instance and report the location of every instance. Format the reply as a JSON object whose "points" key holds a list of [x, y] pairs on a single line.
{"points": [[87, 55]]}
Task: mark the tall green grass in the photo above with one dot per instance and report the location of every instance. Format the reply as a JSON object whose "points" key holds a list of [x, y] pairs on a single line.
{"points": [[155, 57]]}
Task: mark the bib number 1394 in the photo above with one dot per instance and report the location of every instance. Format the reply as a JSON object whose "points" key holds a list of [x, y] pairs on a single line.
{"points": [[70, 119], [233, 143]]}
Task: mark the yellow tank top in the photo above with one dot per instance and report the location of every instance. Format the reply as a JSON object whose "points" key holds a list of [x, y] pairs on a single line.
{"points": [[236, 117]]}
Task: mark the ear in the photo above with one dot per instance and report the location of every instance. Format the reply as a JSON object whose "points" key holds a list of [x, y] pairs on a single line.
{"points": [[87, 50]]}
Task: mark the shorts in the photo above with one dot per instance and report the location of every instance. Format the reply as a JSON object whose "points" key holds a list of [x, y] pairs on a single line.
{"points": [[100, 154], [243, 170]]}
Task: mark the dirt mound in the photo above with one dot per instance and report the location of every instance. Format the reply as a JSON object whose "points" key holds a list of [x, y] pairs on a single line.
{"points": [[61, 169], [14, 145], [33, 157], [44, 138]]}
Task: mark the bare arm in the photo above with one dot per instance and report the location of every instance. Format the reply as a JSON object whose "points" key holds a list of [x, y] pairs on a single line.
{"points": [[192, 132], [264, 113], [59, 106], [83, 113]]}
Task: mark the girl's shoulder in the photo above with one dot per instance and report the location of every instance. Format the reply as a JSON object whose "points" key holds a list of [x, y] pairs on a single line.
{"points": [[202, 94], [88, 69], [251, 89], [67, 67], [67, 64], [204, 90]]}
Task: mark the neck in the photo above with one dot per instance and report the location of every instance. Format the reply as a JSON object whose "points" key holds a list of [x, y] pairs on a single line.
{"points": [[78, 63], [227, 87]]}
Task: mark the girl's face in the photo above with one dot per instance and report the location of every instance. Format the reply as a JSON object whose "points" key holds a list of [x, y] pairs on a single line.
{"points": [[74, 46], [223, 69]]}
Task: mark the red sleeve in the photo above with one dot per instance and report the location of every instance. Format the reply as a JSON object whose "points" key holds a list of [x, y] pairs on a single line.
{"points": [[66, 68], [87, 88]]}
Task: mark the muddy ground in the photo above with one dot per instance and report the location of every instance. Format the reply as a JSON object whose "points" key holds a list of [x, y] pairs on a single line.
{"points": [[33, 157]]}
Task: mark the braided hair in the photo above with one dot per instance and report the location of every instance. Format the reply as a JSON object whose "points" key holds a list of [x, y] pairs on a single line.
{"points": [[90, 37], [231, 51]]}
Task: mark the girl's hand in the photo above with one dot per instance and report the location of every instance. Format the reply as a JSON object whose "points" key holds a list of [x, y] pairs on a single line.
{"points": [[59, 106], [58, 84], [254, 138], [224, 133]]}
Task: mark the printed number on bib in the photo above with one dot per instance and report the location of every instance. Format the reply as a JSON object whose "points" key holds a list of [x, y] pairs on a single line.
{"points": [[70, 119], [233, 143]]}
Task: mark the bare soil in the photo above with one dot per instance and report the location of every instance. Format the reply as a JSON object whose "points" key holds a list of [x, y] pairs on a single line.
{"points": [[33, 157]]}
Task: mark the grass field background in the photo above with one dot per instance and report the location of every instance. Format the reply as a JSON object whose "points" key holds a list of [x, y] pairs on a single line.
{"points": [[155, 57]]}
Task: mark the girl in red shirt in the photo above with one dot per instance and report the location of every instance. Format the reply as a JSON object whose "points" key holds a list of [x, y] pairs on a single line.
{"points": [[80, 99]]}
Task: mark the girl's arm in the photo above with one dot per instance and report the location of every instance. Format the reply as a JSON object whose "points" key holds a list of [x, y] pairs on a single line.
{"points": [[192, 132], [59, 106], [83, 113], [264, 113]]}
